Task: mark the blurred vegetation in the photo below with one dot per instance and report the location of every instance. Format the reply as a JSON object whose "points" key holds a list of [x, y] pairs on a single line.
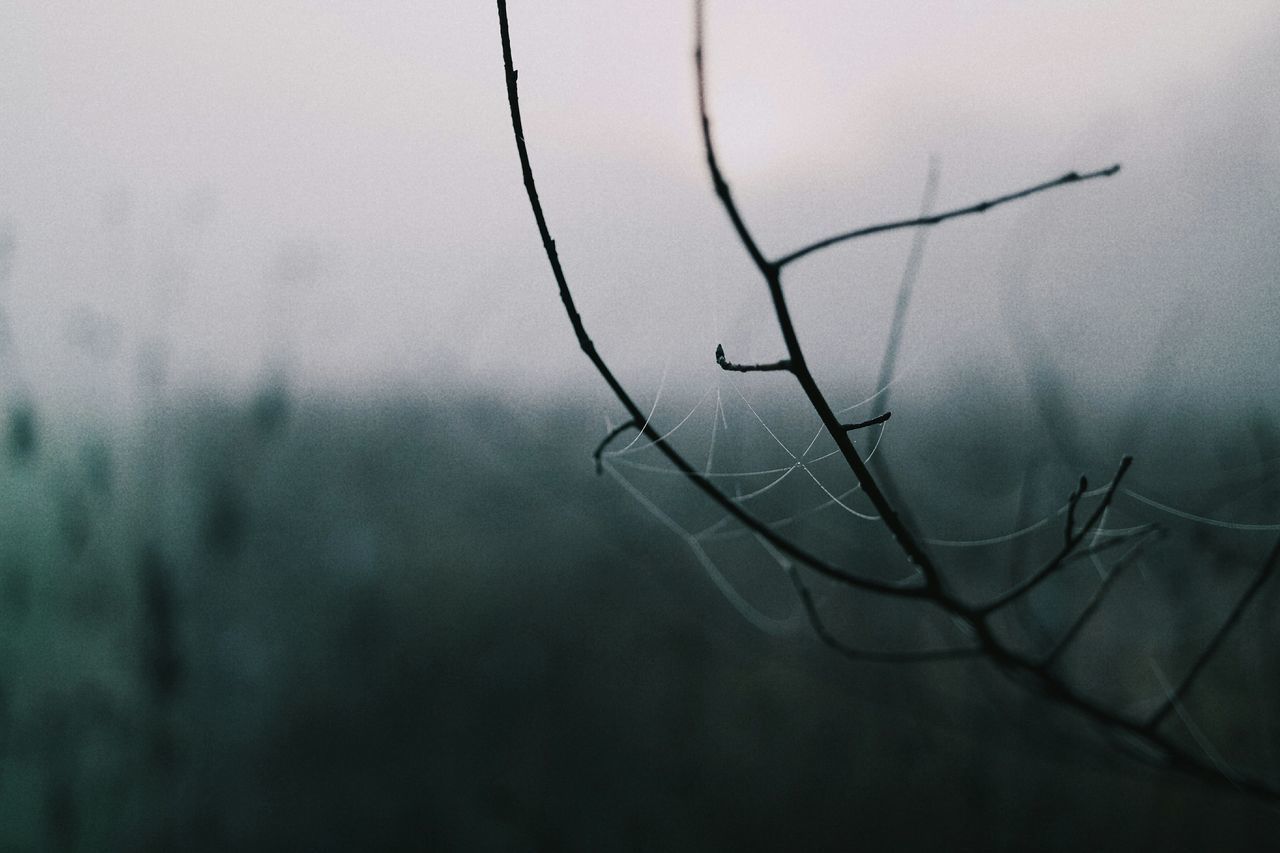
{"points": [[282, 624]]}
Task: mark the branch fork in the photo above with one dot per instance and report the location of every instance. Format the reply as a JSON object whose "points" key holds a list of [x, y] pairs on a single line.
{"points": [[933, 589]]}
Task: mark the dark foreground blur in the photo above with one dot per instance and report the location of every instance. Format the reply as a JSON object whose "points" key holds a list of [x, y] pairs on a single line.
{"points": [[279, 626]]}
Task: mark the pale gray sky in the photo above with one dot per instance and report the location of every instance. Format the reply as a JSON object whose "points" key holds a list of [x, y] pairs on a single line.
{"points": [[334, 184]]}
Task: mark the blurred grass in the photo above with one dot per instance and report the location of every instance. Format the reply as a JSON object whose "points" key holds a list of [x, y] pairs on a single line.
{"points": [[281, 624]]}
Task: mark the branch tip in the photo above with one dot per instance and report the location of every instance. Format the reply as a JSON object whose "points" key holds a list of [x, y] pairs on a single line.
{"points": [[878, 419], [936, 218], [1070, 546], [725, 364]]}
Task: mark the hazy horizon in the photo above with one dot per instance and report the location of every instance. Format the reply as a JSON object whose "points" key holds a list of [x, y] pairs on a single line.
{"points": [[309, 538], [331, 191]]}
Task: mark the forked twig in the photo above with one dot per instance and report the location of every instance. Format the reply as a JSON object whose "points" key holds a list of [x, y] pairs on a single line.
{"points": [[869, 655], [897, 325], [771, 272], [1099, 595], [934, 591], [936, 218], [1072, 503], [1073, 542], [1207, 653], [633, 411]]}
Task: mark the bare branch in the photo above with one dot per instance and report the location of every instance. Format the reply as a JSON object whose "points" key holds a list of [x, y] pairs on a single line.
{"points": [[1154, 747], [888, 362], [782, 364], [868, 655], [933, 591], [1029, 618], [934, 219], [1072, 503], [633, 411], [1207, 653], [911, 547], [878, 419], [1095, 601], [717, 178], [604, 442], [1059, 559]]}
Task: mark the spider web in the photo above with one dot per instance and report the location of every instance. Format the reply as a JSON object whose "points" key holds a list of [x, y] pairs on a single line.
{"points": [[791, 477]]}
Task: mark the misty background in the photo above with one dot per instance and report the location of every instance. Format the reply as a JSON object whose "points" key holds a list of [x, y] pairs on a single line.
{"points": [[301, 542], [333, 186]]}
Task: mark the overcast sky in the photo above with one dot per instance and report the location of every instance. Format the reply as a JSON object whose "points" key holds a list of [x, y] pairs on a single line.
{"points": [[332, 187]]}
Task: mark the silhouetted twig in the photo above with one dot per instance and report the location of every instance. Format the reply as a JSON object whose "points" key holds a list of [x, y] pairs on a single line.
{"points": [[915, 553], [893, 343], [934, 219], [889, 361], [1113, 575], [725, 364], [1059, 559], [868, 655], [1074, 501], [598, 453], [1211, 648], [934, 591], [878, 419], [633, 411]]}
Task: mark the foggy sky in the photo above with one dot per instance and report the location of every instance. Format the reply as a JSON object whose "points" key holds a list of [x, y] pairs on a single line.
{"points": [[331, 189]]}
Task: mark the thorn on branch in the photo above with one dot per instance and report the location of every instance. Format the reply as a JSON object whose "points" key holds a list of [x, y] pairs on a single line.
{"points": [[725, 364], [878, 419]]}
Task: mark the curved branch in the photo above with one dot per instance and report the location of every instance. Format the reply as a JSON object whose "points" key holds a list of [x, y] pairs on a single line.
{"points": [[598, 453], [1060, 559], [989, 645], [934, 219], [873, 655], [1207, 653], [771, 272], [883, 417], [725, 364], [1095, 601], [633, 411]]}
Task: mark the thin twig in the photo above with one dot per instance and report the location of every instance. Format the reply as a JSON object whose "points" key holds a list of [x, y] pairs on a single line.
{"points": [[1072, 503], [934, 219], [725, 364], [1028, 617], [633, 411], [878, 419], [604, 442], [907, 541], [869, 655], [1207, 653], [1095, 602], [889, 361], [1059, 559], [897, 325], [989, 644]]}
